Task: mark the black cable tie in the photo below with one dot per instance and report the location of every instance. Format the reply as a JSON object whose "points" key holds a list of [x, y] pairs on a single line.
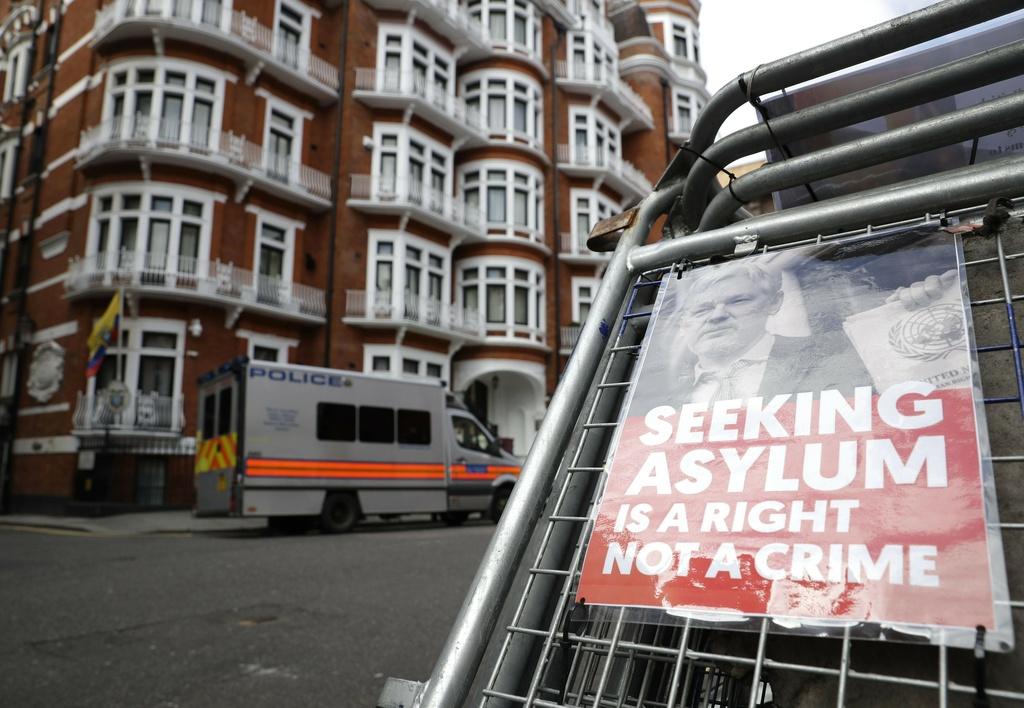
{"points": [[980, 697], [755, 101]]}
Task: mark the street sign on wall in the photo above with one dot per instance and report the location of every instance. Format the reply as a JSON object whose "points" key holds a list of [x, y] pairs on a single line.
{"points": [[804, 440]]}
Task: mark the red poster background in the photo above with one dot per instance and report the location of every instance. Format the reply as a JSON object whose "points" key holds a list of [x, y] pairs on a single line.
{"points": [[950, 518]]}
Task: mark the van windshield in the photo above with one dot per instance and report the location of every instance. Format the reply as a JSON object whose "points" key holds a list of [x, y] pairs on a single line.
{"points": [[470, 435]]}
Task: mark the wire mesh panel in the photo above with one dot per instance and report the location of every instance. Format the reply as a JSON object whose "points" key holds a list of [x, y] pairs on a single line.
{"points": [[556, 651]]}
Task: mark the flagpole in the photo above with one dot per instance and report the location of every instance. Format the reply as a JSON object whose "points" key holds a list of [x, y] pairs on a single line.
{"points": [[119, 328]]}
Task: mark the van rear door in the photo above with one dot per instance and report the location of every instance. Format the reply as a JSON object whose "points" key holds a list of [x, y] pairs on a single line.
{"points": [[216, 477]]}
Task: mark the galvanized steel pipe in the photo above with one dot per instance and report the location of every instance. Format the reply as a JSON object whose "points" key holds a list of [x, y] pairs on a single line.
{"points": [[955, 189], [982, 119], [946, 80]]}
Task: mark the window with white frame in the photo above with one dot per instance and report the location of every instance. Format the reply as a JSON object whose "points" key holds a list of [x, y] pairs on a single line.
{"points": [[411, 62], [16, 70], [508, 292], [506, 197], [590, 59], [510, 24], [509, 104], [408, 275], [411, 167], [583, 292], [589, 207], [158, 233], [267, 347], [596, 139], [291, 31], [283, 141], [274, 255], [681, 39], [405, 362], [173, 101], [684, 113], [148, 357], [7, 152]]}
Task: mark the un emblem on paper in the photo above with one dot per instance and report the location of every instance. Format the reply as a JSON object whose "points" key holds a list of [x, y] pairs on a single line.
{"points": [[930, 333]]}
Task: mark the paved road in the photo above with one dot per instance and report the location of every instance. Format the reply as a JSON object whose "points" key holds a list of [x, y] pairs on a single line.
{"points": [[249, 619]]}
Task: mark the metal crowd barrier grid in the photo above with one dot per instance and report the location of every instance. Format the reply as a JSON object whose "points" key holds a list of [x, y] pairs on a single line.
{"points": [[550, 656]]}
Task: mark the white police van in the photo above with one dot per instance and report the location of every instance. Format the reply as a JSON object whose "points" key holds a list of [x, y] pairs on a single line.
{"points": [[293, 443]]}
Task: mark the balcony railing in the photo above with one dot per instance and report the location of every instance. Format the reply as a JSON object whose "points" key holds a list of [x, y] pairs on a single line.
{"points": [[600, 76], [143, 412], [404, 193], [193, 277], [447, 17], [411, 308], [574, 245], [182, 139], [584, 157], [568, 336], [213, 16], [409, 84]]}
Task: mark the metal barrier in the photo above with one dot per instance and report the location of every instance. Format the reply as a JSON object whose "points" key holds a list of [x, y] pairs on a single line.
{"points": [[521, 639], [551, 654]]}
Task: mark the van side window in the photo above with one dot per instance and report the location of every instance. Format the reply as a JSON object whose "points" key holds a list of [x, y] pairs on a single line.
{"points": [[376, 425], [335, 421], [413, 427], [224, 412], [470, 435], [209, 415]]}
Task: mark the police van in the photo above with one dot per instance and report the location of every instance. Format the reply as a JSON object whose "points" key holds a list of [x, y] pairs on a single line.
{"points": [[297, 443]]}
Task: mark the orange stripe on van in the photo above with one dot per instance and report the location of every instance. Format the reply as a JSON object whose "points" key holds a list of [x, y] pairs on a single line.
{"points": [[461, 473], [263, 467]]}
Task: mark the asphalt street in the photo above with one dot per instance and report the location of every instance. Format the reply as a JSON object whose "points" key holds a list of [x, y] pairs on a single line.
{"points": [[230, 620]]}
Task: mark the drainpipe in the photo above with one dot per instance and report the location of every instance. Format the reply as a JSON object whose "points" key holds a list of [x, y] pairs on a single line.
{"points": [[666, 96], [332, 235], [24, 262], [555, 201]]}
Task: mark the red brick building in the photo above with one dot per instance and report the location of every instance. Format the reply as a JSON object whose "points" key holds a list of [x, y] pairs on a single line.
{"points": [[399, 186]]}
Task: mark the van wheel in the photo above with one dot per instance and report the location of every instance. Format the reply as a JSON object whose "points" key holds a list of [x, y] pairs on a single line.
{"points": [[499, 502], [340, 513], [455, 518]]}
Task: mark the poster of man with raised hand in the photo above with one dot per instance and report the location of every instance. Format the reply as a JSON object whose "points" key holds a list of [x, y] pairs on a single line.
{"points": [[805, 440]]}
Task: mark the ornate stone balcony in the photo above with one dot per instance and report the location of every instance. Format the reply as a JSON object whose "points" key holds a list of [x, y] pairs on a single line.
{"points": [[417, 313], [212, 25], [573, 249], [621, 175], [142, 413], [382, 194], [597, 80], [399, 90], [154, 140], [184, 278]]}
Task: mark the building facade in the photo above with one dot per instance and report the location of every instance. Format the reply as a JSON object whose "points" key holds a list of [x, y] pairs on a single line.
{"points": [[396, 186]]}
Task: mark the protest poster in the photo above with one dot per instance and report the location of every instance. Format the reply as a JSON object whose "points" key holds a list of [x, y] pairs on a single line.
{"points": [[804, 439]]}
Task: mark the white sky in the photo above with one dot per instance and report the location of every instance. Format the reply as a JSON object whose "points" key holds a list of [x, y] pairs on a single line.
{"points": [[737, 35]]}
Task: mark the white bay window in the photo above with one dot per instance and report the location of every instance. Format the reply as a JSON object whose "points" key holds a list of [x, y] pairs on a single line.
{"points": [[510, 105], [170, 101], [505, 196], [511, 25], [509, 294], [409, 166], [158, 234]]}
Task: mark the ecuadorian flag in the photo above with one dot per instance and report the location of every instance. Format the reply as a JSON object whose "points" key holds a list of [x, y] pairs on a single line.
{"points": [[104, 332]]}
